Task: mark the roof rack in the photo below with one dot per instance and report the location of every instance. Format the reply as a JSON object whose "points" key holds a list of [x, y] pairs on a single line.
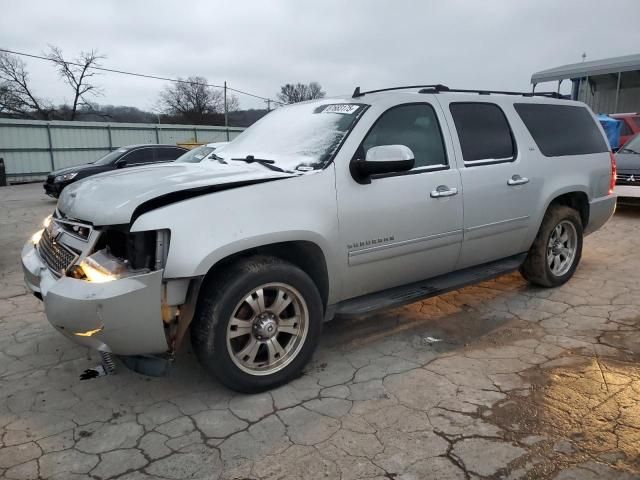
{"points": [[443, 88], [438, 88], [357, 93]]}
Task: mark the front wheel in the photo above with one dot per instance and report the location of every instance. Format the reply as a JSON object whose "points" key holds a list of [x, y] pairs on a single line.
{"points": [[257, 324], [557, 249]]}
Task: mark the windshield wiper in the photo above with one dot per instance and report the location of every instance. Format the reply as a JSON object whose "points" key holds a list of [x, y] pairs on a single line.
{"points": [[264, 162]]}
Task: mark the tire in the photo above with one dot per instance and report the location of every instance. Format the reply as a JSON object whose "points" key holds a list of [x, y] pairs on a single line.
{"points": [[239, 309], [538, 268]]}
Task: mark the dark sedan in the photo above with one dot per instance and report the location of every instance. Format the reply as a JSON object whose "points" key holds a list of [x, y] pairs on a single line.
{"points": [[130, 156]]}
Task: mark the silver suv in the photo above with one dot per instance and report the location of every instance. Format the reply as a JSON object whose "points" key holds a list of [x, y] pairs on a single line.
{"points": [[335, 206]]}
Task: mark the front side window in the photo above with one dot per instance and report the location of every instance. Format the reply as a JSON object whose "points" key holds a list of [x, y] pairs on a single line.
{"points": [[140, 156], [484, 133], [637, 121], [560, 130], [167, 154], [415, 126]]}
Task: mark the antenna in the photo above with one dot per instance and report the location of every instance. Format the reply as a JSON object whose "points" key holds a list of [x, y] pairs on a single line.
{"points": [[356, 93]]}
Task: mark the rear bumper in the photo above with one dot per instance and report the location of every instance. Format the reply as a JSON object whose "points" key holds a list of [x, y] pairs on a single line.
{"points": [[600, 211], [121, 316], [628, 194]]}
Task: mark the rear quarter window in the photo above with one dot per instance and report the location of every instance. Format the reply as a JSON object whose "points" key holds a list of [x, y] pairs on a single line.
{"points": [[561, 130]]}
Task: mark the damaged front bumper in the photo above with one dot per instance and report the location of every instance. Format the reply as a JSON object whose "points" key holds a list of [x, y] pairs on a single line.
{"points": [[122, 316]]}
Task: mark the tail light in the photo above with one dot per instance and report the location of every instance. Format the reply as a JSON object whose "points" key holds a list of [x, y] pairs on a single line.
{"points": [[614, 173]]}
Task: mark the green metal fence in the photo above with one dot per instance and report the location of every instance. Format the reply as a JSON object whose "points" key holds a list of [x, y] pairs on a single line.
{"points": [[33, 148]]}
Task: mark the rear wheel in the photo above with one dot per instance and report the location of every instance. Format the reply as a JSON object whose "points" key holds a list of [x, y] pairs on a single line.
{"points": [[257, 324], [557, 249]]}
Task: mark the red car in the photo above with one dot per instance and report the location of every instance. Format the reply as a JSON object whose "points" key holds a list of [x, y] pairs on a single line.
{"points": [[630, 125]]}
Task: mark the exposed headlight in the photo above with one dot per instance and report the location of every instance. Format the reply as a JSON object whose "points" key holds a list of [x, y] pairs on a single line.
{"points": [[35, 238], [65, 177], [46, 222], [103, 267]]}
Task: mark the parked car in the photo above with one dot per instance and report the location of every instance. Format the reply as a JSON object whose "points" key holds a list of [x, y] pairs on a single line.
{"points": [[612, 128], [338, 206], [628, 178], [198, 154], [630, 125], [130, 156]]}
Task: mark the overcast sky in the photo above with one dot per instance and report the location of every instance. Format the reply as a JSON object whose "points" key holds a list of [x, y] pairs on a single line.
{"points": [[259, 45]]}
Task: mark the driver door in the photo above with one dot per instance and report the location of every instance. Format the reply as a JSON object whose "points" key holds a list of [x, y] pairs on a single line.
{"points": [[401, 227]]}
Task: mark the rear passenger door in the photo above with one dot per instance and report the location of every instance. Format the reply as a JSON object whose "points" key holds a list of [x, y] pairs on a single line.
{"points": [[499, 190]]}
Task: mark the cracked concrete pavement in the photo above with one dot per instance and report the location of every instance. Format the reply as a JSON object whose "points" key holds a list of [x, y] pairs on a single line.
{"points": [[526, 383]]}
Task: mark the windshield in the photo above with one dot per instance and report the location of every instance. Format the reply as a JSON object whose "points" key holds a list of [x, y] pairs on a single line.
{"points": [[632, 146], [110, 157], [302, 136], [196, 155]]}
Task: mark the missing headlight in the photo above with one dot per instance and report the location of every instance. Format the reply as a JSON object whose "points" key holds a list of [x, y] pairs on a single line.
{"points": [[119, 254], [138, 249], [103, 267]]}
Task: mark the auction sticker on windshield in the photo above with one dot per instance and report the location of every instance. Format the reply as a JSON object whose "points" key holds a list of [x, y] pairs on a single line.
{"points": [[346, 108]]}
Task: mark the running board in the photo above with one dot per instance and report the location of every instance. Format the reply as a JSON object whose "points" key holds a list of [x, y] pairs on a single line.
{"points": [[397, 296]]}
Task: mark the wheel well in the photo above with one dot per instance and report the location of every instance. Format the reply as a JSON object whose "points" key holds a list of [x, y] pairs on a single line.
{"points": [[306, 255], [578, 201]]}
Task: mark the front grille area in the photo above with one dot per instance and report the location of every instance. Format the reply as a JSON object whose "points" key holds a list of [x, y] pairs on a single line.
{"points": [[628, 179], [57, 257]]}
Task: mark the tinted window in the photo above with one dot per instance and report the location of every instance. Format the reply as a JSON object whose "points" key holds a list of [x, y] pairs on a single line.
{"points": [[142, 155], [167, 154], [111, 157], [637, 121], [562, 129], [483, 131], [414, 126]]}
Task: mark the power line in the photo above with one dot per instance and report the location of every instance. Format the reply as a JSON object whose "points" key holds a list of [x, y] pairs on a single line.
{"points": [[142, 75]]}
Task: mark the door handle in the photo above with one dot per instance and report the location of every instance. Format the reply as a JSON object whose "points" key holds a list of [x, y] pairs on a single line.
{"points": [[517, 180], [443, 191]]}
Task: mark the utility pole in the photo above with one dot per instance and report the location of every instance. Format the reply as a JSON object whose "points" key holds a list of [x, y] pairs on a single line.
{"points": [[268, 104], [226, 113]]}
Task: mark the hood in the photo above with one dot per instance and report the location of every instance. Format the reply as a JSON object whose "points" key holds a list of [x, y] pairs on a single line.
{"points": [[111, 198], [77, 168], [628, 162]]}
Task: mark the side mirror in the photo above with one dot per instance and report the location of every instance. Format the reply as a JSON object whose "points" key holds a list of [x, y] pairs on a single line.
{"points": [[382, 159]]}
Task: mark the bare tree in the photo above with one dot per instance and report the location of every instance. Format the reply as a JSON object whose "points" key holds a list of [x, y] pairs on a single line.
{"points": [[315, 91], [300, 92], [194, 100], [77, 73], [16, 96]]}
